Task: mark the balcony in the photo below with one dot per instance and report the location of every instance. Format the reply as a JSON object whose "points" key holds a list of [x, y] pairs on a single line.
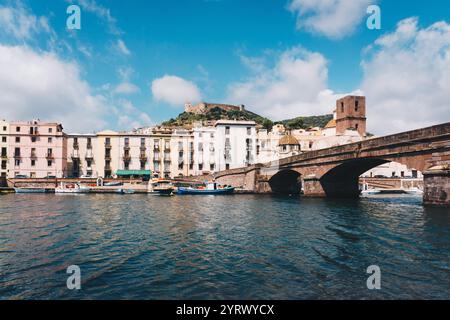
{"points": [[126, 146], [126, 157], [49, 156], [75, 155], [89, 156], [143, 157], [156, 148], [4, 156], [89, 146], [107, 145], [167, 157], [17, 156], [108, 157], [143, 147], [76, 146]]}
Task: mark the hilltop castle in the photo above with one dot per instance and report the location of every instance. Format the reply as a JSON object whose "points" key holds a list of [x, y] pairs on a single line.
{"points": [[205, 107]]}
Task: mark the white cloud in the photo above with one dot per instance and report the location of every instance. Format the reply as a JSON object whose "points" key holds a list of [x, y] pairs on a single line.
{"points": [[128, 116], [332, 18], [295, 85], [126, 87], [122, 48], [175, 90], [41, 85], [101, 12], [407, 78], [21, 24]]}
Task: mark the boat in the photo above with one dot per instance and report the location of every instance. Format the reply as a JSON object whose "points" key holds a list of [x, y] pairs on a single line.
{"points": [[125, 191], [210, 188], [414, 191], [71, 188], [370, 192], [31, 190], [112, 184], [162, 187]]}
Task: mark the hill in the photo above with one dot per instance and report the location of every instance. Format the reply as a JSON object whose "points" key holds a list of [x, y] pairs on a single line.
{"points": [[187, 119]]}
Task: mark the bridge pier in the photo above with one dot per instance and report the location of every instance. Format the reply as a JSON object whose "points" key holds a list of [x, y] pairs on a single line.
{"points": [[437, 186], [312, 187]]}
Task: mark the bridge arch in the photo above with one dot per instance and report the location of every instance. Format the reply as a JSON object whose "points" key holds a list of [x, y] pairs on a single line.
{"points": [[343, 179], [286, 182]]}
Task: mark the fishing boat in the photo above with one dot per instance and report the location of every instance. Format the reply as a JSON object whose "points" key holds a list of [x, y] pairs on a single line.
{"points": [[210, 188], [31, 190], [161, 187], [71, 188]]}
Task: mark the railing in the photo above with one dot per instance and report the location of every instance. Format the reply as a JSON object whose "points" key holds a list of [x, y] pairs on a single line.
{"points": [[17, 156], [108, 157], [143, 157], [126, 157], [4, 156], [49, 156], [76, 146], [126, 146], [108, 145], [89, 156], [89, 146]]}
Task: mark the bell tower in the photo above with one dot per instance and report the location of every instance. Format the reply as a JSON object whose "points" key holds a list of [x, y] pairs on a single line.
{"points": [[351, 115]]}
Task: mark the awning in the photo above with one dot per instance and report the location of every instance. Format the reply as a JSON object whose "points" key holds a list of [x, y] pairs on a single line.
{"points": [[133, 173]]}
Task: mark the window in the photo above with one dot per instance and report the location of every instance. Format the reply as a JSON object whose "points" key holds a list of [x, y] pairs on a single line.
{"points": [[227, 130], [142, 165], [3, 152], [50, 140], [4, 128], [356, 126], [3, 164], [17, 162], [200, 134], [342, 107], [17, 152], [49, 163], [33, 139], [200, 146], [180, 145], [33, 163], [49, 151], [212, 135], [127, 165], [17, 139], [88, 163], [211, 167], [227, 166], [3, 139], [356, 105], [180, 166], [200, 166], [249, 131], [191, 166], [17, 129], [50, 130]]}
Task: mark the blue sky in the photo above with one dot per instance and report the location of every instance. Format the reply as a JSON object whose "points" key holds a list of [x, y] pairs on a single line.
{"points": [[136, 62]]}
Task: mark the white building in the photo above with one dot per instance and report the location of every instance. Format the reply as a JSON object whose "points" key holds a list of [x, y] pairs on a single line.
{"points": [[235, 143], [4, 132]]}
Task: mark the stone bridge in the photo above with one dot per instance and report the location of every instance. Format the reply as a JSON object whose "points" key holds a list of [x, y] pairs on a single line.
{"points": [[334, 172]]}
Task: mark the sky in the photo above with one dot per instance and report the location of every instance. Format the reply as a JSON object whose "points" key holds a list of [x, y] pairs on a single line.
{"points": [[136, 63]]}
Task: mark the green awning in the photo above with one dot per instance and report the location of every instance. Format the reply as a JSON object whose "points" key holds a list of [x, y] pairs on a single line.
{"points": [[134, 173]]}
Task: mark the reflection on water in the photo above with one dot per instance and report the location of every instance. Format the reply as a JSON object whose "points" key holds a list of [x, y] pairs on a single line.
{"points": [[234, 247]]}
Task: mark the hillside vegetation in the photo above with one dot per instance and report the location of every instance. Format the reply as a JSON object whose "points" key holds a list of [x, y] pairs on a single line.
{"points": [[187, 119]]}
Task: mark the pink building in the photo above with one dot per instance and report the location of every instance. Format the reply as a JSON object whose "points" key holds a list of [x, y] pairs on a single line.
{"points": [[37, 149]]}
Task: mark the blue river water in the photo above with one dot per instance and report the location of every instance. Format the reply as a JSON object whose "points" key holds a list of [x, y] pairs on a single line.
{"points": [[222, 247]]}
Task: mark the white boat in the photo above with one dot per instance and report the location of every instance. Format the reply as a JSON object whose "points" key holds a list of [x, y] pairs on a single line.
{"points": [[71, 188], [162, 187], [369, 192], [415, 191]]}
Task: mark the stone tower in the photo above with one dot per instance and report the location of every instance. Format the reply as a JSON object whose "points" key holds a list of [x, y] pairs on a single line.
{"points": [[351, 115]]}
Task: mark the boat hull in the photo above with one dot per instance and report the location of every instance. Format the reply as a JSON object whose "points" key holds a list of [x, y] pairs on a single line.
{"points": [[205, 191], [30, 190]]}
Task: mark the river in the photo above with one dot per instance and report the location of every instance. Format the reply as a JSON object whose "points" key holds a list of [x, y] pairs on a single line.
{"points": [[222, 247]]}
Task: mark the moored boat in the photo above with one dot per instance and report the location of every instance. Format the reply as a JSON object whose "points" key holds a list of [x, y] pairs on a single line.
{"points": [[71, 188], [31, 190], [211, 188], [161, 187]]}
